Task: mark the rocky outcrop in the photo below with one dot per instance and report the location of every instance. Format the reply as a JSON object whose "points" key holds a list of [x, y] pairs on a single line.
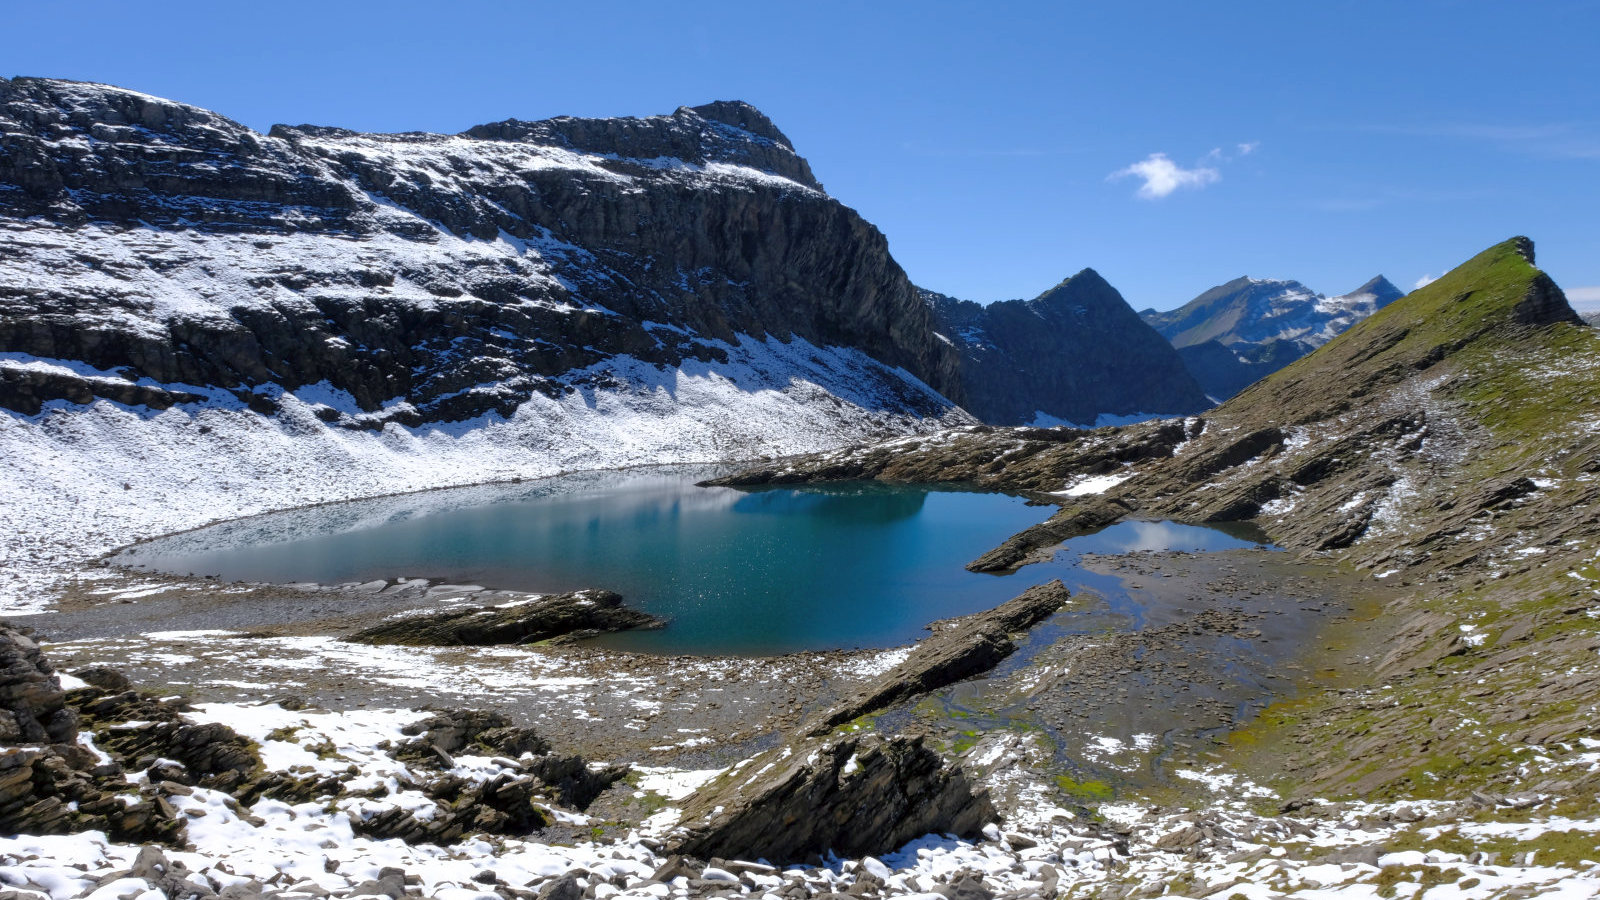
{"points": [[573, 615], [1237, 333], [853, 795], [453, 731], [154, 247], [33, 707], [1074, 353], [504, 804], [957, 650], [1014, 459], [65, 789]]}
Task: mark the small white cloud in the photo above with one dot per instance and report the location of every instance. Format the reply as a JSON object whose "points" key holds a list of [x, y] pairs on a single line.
{"points": [[1424, 281], [1248, 147], [1162, 176]]}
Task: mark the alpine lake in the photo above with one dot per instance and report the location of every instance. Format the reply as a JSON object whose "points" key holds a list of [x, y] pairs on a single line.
{"points": [[733, 572]]}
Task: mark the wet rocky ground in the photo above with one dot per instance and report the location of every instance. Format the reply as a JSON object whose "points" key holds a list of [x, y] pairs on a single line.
{"points": [[235, 642], [1124, 682], [1122, 695]]}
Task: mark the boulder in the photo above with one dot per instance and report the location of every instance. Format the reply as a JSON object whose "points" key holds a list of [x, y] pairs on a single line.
{"points": [[33, 707], [453, 731], [852, 795]]}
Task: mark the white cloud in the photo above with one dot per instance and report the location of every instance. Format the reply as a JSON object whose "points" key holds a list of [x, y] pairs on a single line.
{"points": [[1424, 281], [1248, 147], [1162, 176], [1584, 298]]}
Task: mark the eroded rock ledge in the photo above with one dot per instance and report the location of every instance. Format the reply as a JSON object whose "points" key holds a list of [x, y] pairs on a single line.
{"points": [[560, 616], [962, 650], [852, 795]]}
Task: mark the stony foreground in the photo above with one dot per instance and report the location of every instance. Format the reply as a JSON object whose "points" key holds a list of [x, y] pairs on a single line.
{"points": [[127, 795], [312, 849]]}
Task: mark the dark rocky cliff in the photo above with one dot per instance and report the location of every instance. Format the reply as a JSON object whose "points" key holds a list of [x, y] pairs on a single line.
{"points": [[172, 252], [1074, 352]]}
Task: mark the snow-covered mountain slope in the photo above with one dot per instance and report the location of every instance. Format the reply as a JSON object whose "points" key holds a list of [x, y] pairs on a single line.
{"points": [[1076, 353], [1236, 333], [199, 321]]}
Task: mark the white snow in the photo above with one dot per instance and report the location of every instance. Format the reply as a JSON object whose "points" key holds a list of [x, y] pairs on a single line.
{"points": [[1092, 484], [1042, 419]]}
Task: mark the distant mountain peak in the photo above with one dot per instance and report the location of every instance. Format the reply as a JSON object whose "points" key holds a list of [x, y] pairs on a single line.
{"points": [[1086, 287], [1076, 352], [1243, 329], [1375, 284]]}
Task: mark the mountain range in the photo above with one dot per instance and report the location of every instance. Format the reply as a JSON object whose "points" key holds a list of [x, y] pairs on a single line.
{"points": [[423, 278], [198, 321], [1241, 331], [516, 279]]}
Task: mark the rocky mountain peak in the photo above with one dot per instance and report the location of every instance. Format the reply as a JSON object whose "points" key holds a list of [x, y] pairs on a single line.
{"points": [[726, 131], [1073, 353], [1086, 286], [743, 116], [1486, 302], [1378, 286], [1523, 246]]}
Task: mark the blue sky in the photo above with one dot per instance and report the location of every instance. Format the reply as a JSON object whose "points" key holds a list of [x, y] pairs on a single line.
{"points": [[1326, 142]]}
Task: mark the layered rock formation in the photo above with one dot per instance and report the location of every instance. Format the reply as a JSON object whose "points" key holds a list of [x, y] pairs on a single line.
{"points": [[956, 651], [160, 253], [852, 795], [526, 621], [33, 707], [1242, 331], [1074, 353]]}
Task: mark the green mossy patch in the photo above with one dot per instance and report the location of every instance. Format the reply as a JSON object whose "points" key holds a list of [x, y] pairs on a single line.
{"points": [[1091, 790]]}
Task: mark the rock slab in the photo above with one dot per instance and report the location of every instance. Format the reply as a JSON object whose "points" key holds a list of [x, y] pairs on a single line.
{"points": [[853, 795], [576, 614], [956, 651]]}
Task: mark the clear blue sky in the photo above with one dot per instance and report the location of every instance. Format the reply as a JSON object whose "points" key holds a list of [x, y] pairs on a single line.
{"points": [[1384, 137]]}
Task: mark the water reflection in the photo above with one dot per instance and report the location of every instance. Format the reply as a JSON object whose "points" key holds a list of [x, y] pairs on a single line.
{"points": [[860, 506], [1133, 537]]}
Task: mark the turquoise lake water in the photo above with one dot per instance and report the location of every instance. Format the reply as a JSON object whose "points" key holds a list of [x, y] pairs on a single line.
{"points": [[733, 572]]}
